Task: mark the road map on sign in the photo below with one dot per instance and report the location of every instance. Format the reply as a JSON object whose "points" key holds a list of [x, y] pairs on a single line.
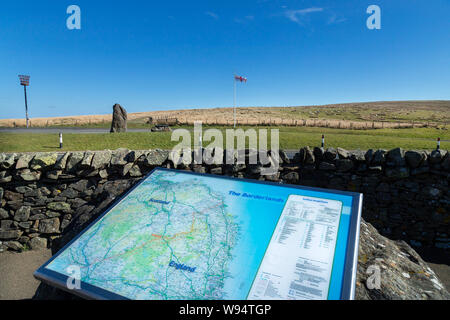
{"points": [[179, 235]]}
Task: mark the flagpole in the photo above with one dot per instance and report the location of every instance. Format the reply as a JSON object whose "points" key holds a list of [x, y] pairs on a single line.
{"points": [[234, 103]]}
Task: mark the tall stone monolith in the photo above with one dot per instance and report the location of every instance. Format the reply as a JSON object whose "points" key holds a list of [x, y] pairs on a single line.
{"points": [[119, 119]]}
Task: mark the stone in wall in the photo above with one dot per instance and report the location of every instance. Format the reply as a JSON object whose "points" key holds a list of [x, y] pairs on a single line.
{"points": [[119, 157], [101, 159], [156, 157], [73, 161]]}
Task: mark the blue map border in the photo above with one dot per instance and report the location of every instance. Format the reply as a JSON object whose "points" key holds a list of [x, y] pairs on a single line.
{"points": [[343, 279]]}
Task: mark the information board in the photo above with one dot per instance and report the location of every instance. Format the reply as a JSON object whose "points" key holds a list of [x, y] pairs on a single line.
{"points": [[182, 235]]}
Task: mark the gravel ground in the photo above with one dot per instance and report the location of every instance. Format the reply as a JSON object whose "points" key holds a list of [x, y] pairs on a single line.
{"points": [[439, 261], [443, 272], [17, 281], [16, 273]]}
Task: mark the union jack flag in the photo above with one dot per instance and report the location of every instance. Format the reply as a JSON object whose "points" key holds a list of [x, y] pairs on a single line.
{"points": [[239, 78]]}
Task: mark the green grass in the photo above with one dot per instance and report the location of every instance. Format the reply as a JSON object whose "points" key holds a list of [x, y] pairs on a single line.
{"points": [[290, 138]]}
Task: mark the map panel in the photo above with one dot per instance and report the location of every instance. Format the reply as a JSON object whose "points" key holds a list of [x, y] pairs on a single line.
{"points": [[185, 236]]}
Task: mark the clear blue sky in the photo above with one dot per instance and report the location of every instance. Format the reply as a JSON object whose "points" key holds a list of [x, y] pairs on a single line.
{"points": [[160, 55]]}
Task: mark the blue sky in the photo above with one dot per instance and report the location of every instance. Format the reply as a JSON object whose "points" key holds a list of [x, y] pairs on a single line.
{"points": [[149, 55]]}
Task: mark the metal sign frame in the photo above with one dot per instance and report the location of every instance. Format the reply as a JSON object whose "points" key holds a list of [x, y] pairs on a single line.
{"points": [[89, 291]]}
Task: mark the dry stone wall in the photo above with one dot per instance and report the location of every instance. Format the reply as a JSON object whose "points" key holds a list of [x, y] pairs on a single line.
{"points": [[46, 198]]}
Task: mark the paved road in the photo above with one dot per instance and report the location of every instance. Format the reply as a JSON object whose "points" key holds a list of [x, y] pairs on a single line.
{"points": [[64, 130]]}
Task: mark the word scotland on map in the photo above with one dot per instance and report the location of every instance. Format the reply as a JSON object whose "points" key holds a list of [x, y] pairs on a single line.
{"points": [[182, 235]]}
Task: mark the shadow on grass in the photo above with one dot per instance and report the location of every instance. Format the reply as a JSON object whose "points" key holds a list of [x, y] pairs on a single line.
{"points": [[52, 147]]}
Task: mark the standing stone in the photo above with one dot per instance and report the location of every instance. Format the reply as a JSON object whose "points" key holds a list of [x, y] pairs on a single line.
{"points": [[119, 120]]}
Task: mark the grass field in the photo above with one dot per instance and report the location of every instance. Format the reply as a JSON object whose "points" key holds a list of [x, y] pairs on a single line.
{"points": [[290, 138]]}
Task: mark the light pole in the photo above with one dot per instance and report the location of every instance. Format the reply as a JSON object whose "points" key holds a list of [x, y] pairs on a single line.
{"points": [[234, 104], [25, 81], [235, 79]]}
